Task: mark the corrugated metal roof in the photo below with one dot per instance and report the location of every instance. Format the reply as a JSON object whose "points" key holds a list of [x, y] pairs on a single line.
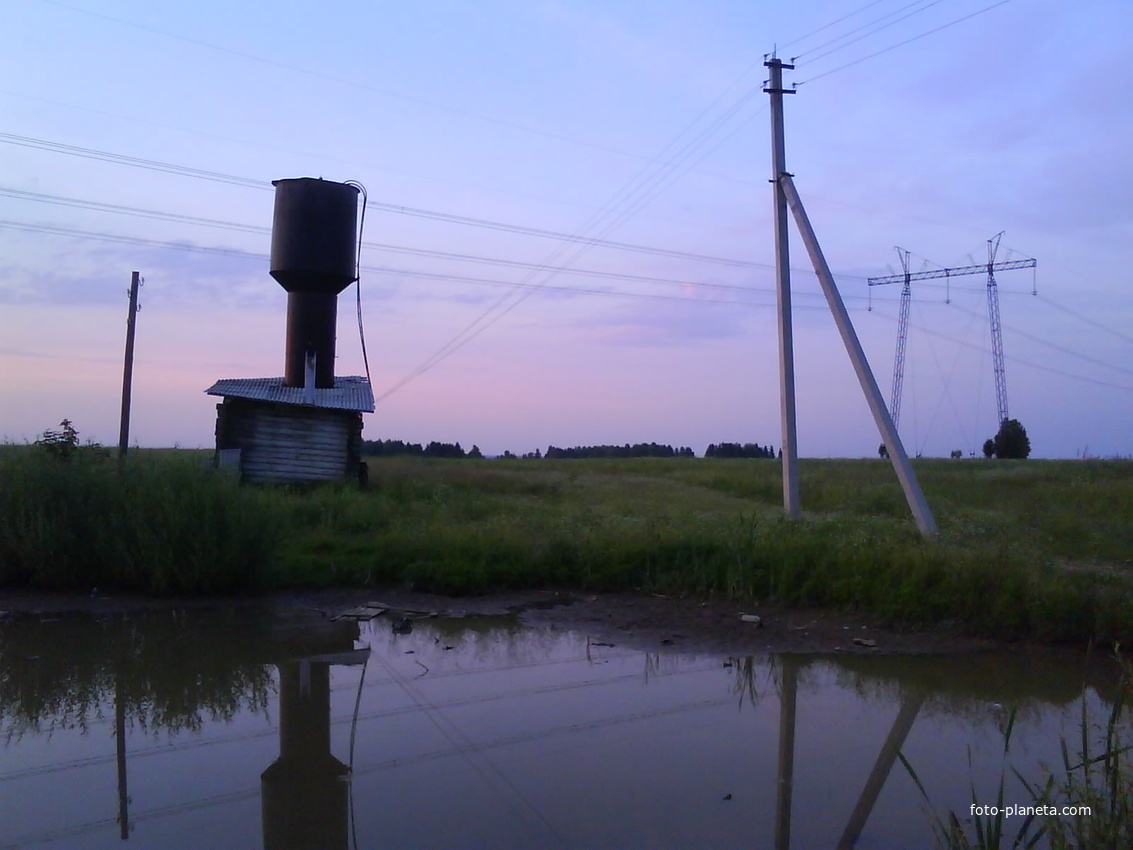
{"points": [[351, 392]]}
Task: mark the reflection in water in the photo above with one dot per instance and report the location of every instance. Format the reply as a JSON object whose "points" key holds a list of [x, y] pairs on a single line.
{"points": [[59, 672], [238, 729], [305, 801]]}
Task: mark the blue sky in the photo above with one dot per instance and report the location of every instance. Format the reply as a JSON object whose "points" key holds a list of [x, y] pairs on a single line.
{"points": [[549, 115]]}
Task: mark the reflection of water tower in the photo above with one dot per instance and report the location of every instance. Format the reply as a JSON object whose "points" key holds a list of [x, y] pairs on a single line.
{"points": [[305, 792], [307, 425]]}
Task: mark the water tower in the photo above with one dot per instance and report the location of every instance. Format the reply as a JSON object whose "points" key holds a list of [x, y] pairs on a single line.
{"points": [[307, 424]]}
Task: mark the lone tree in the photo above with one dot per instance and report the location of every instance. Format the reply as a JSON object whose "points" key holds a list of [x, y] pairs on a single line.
{"points": [[989, 447], [1011, 443]]}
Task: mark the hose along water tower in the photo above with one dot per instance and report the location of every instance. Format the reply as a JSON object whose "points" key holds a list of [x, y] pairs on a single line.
{"points": [[307, 425]]}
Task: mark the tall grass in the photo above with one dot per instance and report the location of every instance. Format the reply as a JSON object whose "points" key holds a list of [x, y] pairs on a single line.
{"points": [[713, 528], [1028, 549], [159, 525]]}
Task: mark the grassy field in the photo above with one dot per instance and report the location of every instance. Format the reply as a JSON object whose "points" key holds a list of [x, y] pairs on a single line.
{"points": [[1038, 549]]}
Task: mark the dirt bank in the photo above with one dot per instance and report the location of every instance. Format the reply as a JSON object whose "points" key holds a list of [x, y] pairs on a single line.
{"points": [[640, 621]]}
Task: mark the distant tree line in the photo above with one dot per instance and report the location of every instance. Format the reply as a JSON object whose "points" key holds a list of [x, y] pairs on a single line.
{"points": [[636, 450], [378, 448], [434, 449], [737, 450]]}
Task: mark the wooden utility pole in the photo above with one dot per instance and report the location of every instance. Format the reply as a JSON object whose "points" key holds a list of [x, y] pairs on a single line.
{"points": [[783, 292], [128, 370]]}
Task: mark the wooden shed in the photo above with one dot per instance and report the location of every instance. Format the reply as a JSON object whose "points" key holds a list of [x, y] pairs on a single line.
{"points": [[277, 433]]}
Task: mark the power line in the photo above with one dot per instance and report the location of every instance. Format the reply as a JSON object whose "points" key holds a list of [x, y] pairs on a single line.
{"points": [[128, 240], [564, 237], [1086, 319], [99, 206], [133, 161], [237, 252], [1056, 346], [247, 182], [643, 189], [832, 23], [1014, 359], [906, 41], [55, 230], [871, 32]]}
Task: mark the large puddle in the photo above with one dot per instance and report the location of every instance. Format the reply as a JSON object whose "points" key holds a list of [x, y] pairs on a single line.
{"points": [[256, 728]]}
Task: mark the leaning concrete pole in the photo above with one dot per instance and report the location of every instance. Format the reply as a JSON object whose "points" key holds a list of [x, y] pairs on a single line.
{"points": [[897, 455], [783, 293]]}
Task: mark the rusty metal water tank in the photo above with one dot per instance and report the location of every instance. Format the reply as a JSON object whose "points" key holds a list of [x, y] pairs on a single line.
{"points": [[314, 234], [313, 252]]}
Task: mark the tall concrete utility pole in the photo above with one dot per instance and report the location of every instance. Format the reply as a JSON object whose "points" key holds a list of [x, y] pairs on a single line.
{"points": [[128, 369], [783, 292], [787, 195]]}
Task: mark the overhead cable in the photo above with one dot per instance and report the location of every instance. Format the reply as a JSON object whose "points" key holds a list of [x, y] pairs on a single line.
{"points": [[186, 171], [906, 41], [827, 26], [845, 35], [1014, 359]]}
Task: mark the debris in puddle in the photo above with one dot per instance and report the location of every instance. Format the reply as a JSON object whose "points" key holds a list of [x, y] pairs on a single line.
{"points": [[375, 609], [667, 642], [403, 626], [751, 618], [600, 643], [865, 642], [727, 796], [447, 648], [362, 612]]}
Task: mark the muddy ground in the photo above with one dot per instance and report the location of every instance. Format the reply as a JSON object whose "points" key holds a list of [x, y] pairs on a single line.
{"points": [[639, 621]]}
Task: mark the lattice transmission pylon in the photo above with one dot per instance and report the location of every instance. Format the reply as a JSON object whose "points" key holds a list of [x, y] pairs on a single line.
{"points": [[907, 278]]}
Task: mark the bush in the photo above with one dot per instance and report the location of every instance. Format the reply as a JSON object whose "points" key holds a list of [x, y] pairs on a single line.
{"points": [[1011, 443]]}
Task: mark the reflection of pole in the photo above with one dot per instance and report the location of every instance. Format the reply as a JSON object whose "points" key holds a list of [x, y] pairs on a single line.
{"points": [[786, 753], [128, 369], [885, 759], [120, 735]]}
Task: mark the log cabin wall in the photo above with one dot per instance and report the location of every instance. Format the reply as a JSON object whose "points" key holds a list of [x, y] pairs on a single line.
{"points": [[290, 443]]}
